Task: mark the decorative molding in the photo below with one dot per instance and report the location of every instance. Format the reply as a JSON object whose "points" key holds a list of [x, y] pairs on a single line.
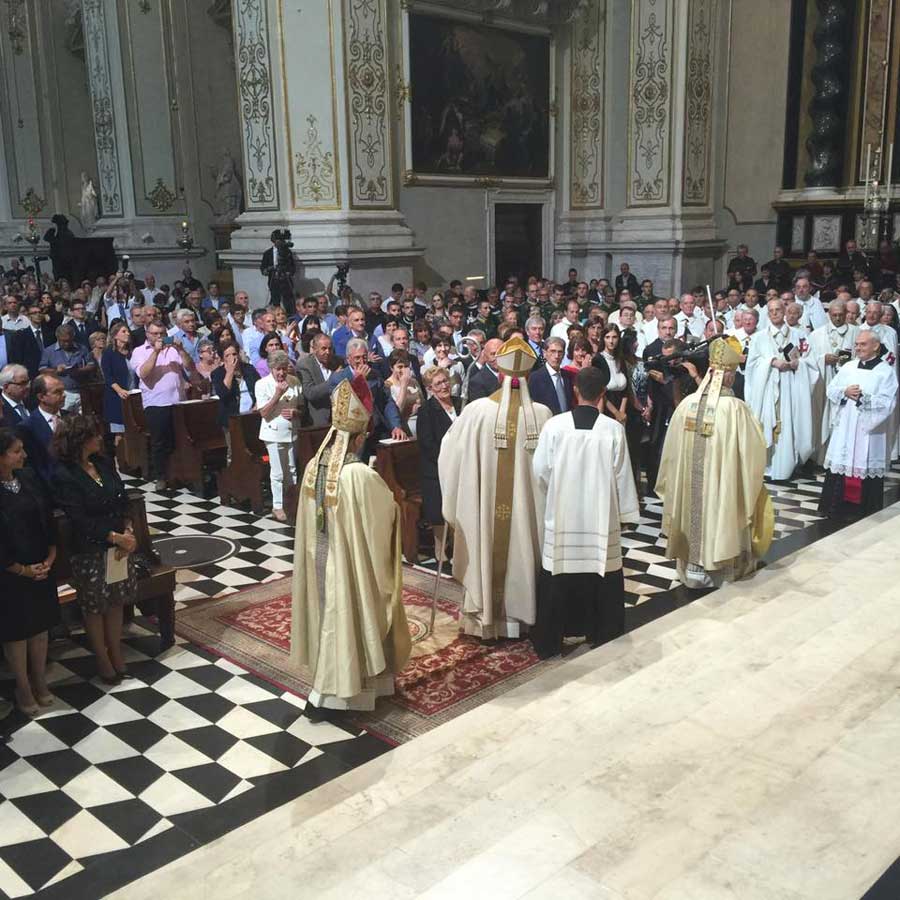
{"points": [[826, 234], [698, 101], [17, 26], [650, 131], [256, 104], [314, 171], [144, 6], [827, 110], [366, 76], [798, 234], [100, 80], [402, 90], [588, 61], [161, 198]]}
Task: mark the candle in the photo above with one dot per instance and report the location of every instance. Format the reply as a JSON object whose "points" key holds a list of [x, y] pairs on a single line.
{"points": [[712, 311]]}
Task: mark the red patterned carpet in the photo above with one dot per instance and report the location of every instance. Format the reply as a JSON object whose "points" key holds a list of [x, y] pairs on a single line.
{"points": [[448, 673]]}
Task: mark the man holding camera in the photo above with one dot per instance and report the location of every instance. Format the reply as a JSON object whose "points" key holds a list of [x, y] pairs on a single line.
{"points": [[163, 368], [779, 389], [829, 348], [278, 266]]}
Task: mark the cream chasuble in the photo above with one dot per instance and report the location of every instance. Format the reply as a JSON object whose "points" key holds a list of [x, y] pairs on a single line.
{"points": [[348, 624], [489, 499], [710, 487]]}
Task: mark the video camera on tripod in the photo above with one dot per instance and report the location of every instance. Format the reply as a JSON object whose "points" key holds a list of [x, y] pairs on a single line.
{"points": [[697, 353]]}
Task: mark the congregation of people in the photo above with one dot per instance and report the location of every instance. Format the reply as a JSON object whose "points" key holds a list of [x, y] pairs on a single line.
{"points": [[817, 368]]}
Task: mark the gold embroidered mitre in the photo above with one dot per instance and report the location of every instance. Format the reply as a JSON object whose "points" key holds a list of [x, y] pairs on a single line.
{"points": [[725, 353], [724, 356], [349, 410], [515, 359]]}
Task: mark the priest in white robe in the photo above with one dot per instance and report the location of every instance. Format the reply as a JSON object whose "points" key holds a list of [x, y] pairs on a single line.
{"points": [[829, 348], [778, 388], [348, 624], [863, 396], [813, 315], [587, 489], [717, 514], [490, 501], [888, 338]]}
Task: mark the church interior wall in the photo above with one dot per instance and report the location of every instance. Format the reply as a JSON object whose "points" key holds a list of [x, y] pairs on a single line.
{"points": [[753, 111]]}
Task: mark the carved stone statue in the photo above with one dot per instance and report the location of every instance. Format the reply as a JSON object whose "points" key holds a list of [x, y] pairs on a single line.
{"points": [[88, 202], [229, 192]]}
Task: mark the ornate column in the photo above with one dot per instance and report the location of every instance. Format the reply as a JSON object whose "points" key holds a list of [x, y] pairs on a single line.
{"points": [[827, 109], [315, 98], [658, 212]]}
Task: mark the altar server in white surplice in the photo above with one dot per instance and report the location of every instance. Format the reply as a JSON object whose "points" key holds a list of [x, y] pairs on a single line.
{"points": [[829, 348], [490, 500], [778, 389], [582, 587], [863, 395]]}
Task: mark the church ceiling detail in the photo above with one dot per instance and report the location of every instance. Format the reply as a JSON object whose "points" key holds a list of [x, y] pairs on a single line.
{"points": [[650, 133], [256, 106], [586, 145]]}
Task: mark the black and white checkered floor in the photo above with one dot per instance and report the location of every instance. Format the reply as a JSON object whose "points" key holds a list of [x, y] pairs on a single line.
{"points": [[112, 783]]}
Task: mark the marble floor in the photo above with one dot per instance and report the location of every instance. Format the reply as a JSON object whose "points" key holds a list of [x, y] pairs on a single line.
{"points": [[742, 747]]}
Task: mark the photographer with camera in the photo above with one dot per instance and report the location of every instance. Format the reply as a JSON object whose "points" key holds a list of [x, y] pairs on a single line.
{"points": [[278, 266]]}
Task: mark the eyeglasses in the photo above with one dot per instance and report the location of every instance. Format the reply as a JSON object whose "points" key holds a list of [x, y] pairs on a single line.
{"points": [[27, 381]]}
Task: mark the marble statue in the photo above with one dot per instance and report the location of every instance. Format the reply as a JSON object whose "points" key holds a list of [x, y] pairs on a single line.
{"points": [[88, 202], [229, 193]]}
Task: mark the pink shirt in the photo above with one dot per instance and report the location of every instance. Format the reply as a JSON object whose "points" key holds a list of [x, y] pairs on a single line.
{"points": [[166, 384]]}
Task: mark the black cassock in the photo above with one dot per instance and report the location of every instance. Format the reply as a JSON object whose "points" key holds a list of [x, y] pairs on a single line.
{"points": [[578, 605]]}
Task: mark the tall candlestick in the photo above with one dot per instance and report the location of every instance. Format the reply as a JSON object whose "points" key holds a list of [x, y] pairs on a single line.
{"points": [[868, 173], [889, 179], [712, 311]]}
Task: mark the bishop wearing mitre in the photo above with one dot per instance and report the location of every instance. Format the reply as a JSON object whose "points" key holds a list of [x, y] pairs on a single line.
{"points": [[348, 624], [717, 514], [491, 503]]}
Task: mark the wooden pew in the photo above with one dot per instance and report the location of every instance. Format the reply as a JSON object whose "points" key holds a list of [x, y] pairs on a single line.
{"points": [[199, 442], [248, 470], [155, 593], [398, 465], [306, 445], [133, 451], [92, 398]]}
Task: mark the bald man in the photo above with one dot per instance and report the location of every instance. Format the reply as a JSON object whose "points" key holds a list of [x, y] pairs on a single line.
{"points": [[779, 386], [863, 396]]}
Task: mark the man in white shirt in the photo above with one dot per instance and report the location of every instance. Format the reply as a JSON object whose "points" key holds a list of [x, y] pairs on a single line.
{"points": [[149, 289], [561, 328], [689, 321], [14, 320]]}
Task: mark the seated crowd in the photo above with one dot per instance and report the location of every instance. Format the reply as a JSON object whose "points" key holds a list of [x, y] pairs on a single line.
{"points": [[423, 355]]}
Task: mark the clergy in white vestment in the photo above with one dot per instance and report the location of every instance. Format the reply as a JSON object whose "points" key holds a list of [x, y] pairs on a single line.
{"points": [[717, 514], [888, 338], [863, 396], [813, 315], [829, 348], [348, 624], [582, 587], [490, 500], [778, 388], [690, 320]]}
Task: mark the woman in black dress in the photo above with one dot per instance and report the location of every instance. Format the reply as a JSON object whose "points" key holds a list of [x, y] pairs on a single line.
{"points": [[436, 415], [88, 489], [28, 602]]}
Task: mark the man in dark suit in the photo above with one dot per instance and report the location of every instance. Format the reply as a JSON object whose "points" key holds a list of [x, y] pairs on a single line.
{"points": [[484, 382], [83, 325], [314, 372], [15, 386], [549, 384], [32, 341], [42, 424], [278, 266], [139, 321], [626, 281]]}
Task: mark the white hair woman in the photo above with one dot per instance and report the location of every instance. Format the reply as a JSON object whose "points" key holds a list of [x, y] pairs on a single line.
{"points": [[280, 403]]}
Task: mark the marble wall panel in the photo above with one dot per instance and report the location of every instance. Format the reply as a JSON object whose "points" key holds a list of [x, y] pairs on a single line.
{"points": [[586, 107]]}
